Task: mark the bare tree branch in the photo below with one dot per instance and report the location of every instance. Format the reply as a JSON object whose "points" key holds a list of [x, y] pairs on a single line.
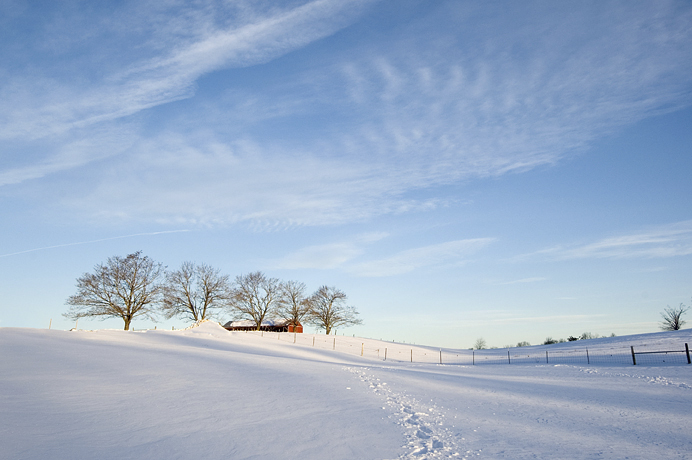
{"points": [[254, 296], [195, 292], [672, 318], [293, 303], [125, 287], [329, 310]]}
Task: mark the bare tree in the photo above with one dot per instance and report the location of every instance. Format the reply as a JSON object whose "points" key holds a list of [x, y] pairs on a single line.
{"points": [[480, 344], [195, 292], [125, 287], [329, 310], [672, 318], [293, 303], [254, 296]]}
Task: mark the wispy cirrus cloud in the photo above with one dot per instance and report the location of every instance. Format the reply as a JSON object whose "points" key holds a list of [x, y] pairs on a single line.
{"points": [[169, 73], [327, 256], [450, 252], [79, 243], [73, 153], [491, 110], [345, 256], [663, 241], [218, 183], [363, 126]]}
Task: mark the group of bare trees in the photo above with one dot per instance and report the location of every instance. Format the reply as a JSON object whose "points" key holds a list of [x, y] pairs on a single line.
{"points": [[136, 286]]}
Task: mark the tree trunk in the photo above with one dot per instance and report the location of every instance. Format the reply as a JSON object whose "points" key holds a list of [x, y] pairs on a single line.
{"points": [[127, 323]]}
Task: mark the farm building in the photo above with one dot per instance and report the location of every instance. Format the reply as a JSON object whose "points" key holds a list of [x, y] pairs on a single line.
{"points": [[269, 325]]}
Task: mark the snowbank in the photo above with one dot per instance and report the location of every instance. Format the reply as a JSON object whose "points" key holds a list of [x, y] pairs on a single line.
{"points": [[207, 393]]}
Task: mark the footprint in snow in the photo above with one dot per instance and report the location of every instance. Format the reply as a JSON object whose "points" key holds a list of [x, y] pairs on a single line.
{"points": [[427, 438]]}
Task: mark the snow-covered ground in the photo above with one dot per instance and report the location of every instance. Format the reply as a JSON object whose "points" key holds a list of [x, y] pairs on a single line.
{"points": [[205, 393]]}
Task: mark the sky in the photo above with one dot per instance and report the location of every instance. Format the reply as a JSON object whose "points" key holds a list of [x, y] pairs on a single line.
{"points": [[505, 170]]}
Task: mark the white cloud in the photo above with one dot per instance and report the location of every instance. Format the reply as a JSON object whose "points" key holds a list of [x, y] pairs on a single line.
{"points": [[36, 107], [344, 256], [451, 252], [327, 256], [664, 241], [72, 154], [214, 183], [365, 126], [79, 243], [447, 112]]}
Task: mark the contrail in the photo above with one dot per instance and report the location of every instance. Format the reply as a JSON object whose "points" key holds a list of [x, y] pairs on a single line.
{"points": [[92, 241]]}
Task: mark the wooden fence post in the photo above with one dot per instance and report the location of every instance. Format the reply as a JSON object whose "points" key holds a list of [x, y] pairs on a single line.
{"points": [[687, 352], [634, 359], [385, 354], [294, 337], [473, 357], [51, 322], [362, 347], [440, 355], [411, 354], [313, 340], [546, 356], [509, 360], [334, 344]]}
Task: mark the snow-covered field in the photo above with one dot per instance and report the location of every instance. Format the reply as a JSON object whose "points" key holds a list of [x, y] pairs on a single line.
{"points": [[205, 393]]}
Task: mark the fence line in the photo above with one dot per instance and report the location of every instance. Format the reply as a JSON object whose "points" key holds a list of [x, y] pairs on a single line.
{"points": [[625, 355]]}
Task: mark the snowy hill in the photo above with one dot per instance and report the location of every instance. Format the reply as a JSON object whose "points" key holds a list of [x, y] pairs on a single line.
{"points": [[209, 394]]}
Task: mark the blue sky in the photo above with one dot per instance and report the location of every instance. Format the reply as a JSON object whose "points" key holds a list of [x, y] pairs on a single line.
{"points": [[506, 170]]}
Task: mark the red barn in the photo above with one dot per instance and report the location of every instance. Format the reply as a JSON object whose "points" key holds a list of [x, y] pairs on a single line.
{"points": [[268, 325]]}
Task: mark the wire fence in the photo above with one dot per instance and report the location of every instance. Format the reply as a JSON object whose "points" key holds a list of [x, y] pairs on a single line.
{"points": [[627, 355], [647, 355]]}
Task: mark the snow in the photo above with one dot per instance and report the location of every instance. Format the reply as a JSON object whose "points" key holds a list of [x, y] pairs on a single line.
{"points": [[208, 393]]}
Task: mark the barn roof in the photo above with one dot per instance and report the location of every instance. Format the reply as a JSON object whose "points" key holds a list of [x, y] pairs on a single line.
{"points": [[276, 322]]}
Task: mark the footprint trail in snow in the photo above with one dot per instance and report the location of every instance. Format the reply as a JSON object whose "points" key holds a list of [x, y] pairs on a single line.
{"points": [[423, 425]]}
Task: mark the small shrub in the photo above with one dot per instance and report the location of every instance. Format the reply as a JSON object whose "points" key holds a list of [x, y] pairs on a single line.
{"points": [[523, 344], [672, 318], [572, 338], [549, 341]]}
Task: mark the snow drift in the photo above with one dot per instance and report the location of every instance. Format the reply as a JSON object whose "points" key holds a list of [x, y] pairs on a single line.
{"points": [[208, 393]]}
